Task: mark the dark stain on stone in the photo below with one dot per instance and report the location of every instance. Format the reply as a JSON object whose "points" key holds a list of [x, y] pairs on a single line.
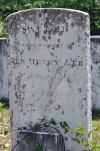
{"points": [[21, 52], [16, 95], [24, 114], [44, 38], [59, 106], [48, 46], [51, 102], [85, 99], [62, 112], [57, 45], [11, 118], [37, 34], [21, 110], [86, 113], [23, 98], [45, 11], [66, 139], [48, 63], [79, 39], [56, 108], [51, 53], [69, 80], [16, 102], [59, 40], [44, 32], [82, 106], [91, 67], [40, 15], [70, 46], [49, 37], [80, 90], [23, 86], [9, 82], [87, 34], [61, 33], [72, 24], [53, 48], [29, 46], [80, 20]]}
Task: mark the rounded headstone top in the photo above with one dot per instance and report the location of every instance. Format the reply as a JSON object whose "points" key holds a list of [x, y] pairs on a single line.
{"points": [[44, 10], [47, 17]]}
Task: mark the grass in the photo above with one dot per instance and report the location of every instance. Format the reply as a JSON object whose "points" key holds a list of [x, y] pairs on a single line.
{"points": [[5, 143], [4, 127], [96, 130]]}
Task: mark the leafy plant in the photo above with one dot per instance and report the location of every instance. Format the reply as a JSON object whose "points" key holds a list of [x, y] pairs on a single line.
{"points": [[77, 134], [38, 147]]}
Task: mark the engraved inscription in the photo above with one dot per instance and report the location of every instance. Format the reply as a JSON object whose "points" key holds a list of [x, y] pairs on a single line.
{"points": [[47, 30], [72, 63]]}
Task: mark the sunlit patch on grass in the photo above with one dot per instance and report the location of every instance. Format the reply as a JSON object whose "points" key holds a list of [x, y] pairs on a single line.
{"points": [[96, 130], [4, 128]]}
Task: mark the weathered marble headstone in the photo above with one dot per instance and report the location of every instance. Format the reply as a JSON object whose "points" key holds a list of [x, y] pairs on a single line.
{"points": [[42, 141], [49, 69], [95, 71], [3, 69]]}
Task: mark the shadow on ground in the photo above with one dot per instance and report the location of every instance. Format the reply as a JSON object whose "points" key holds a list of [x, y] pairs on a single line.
{"points": [[5, 102], [96, 114]]}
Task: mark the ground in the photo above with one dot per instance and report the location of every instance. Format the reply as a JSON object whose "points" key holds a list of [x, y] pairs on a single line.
{"points": [[4, 128], [96, 130], [5, 143]]}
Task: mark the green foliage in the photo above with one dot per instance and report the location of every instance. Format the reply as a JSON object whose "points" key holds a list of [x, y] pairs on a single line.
{"points": [[96, 113], [77, 135], [36, 127], [4, 102], [64, 126], [38, 147], [91, 6], [52, 121], [4, 128], [96, 130]]}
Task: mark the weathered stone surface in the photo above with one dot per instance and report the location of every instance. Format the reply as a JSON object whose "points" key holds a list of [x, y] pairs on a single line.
{"points": [[49, 72], [41, 141], [95, 70], [3, 69]]}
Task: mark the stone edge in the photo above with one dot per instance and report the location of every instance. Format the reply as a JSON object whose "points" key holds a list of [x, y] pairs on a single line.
{"points": [[35, 9]]}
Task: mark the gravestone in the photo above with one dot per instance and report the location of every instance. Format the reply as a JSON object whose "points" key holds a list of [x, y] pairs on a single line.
{"points": [[3, 69], [49, 75], [95, 71], [43, 140]]}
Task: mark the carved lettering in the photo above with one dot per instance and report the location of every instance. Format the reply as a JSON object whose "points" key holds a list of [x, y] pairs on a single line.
{"points": [[46, 30]]}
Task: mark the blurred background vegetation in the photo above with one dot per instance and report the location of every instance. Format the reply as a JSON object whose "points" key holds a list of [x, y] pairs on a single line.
{"points": [[91, 6]]}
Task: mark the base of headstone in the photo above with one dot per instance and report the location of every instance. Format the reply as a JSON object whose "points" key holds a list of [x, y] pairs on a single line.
{"points": [[46, 139]]}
